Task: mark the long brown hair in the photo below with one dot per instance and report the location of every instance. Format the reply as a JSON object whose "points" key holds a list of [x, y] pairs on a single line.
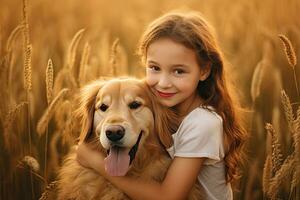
{"points": [[191, 30]]}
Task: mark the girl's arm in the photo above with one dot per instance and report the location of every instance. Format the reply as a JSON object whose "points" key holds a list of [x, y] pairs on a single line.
{"points": [[180, 178]]}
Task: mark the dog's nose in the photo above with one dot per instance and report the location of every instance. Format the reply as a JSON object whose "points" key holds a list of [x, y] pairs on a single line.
{"points": [[115, 132]]}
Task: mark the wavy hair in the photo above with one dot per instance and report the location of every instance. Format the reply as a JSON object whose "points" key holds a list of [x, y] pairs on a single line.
{"points": [[192, 30]]}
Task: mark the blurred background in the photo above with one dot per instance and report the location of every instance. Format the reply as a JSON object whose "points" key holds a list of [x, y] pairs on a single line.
{"points": [[77, 41]]}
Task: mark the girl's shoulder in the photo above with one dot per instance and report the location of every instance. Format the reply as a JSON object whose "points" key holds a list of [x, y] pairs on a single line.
{"points": [[200, 135], [201, 121], [202, 115]]}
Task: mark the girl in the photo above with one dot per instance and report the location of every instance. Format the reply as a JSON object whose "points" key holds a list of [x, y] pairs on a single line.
{"points": [[185, 70]]}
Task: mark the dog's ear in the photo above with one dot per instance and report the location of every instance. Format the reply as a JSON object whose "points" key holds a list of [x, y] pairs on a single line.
{"points": [[166, 121], [86, 108]]}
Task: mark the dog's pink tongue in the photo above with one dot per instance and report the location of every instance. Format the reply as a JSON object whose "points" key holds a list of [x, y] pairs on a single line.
{"points": [[117, 162]]}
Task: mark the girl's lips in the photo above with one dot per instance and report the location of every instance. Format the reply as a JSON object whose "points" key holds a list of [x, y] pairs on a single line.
{"points": [[164, 94]]}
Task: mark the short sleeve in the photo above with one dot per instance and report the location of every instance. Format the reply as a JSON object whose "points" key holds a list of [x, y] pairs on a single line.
{"points": [[201, 135]]}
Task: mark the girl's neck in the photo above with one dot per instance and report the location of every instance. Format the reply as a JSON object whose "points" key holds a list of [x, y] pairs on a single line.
{"points": [[188, 105]]}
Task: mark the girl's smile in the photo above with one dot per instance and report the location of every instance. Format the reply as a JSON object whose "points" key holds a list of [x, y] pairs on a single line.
{"points": [[165, 94]]}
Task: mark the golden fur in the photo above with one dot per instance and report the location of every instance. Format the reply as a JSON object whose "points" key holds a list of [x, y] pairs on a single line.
{"points": [[150, 119]]}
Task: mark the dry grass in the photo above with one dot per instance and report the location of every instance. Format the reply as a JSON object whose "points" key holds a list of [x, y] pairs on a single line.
{"points": [[287, 171]]}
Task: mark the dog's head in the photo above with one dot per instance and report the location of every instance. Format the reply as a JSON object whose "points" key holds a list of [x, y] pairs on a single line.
{"points": [[123, 115]]}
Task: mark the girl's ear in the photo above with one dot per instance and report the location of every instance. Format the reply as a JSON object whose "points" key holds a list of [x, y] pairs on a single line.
{"points": [[86, 108], [205, 71], [165, 120]]}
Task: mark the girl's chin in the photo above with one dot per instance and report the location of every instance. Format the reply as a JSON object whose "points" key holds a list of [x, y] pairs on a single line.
{"points": [[167, 103]]}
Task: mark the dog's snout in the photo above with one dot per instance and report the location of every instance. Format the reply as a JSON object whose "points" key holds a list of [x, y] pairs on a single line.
{"points": [[115, 132]]}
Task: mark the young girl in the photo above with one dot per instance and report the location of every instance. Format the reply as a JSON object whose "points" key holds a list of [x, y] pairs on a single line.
{"points": [[185, 70]]}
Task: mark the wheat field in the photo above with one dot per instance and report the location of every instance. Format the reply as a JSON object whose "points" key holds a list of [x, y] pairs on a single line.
{"points": [[49, 49]]}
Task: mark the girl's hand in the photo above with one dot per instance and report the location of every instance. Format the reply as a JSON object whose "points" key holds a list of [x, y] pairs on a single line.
{"points": [[90, 158]]}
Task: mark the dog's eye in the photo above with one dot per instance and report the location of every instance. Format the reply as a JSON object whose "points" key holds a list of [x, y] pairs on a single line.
{"points": [[103, 107], [134, 105]]}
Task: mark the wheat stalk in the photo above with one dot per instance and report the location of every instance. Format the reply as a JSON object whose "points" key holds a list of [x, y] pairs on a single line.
{"points": [[296, 175], [54, 151], [285, 170], [84, 63], [291, 57], [28, 87], [67, 131], [27, 75], [49, 91], [48, 189], [276, 150], [113, 57], [27, 69], [72, 49], [9, 45], [25, 24], [68, 135], [44, 120], [296, 135], [12, 37], [71, 79], [63, 79], [11, 115], [257, 80], [59, 81], [288, 110], [289, 50], [64, 120], [9, 119], [32, 163], [298, 113], [267, 174], [63, 114], [27, 49], [49, 81], [296, 178]]}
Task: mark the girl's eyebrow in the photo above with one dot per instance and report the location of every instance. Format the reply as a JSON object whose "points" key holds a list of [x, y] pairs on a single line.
{"points": [[151, 61], [179, 65], [174, 65]]}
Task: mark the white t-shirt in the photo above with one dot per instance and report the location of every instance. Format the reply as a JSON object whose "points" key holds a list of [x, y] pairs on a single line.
{"points": [[201, 135]]}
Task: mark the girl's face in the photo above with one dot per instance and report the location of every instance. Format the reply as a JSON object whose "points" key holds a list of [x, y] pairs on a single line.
{"points": [[173, 73]]}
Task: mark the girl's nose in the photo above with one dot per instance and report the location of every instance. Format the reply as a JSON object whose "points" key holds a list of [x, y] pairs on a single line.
{"points": [[164, 82]]}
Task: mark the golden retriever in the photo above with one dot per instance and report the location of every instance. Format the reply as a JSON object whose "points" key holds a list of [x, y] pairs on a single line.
{"points": [[121, 119]]}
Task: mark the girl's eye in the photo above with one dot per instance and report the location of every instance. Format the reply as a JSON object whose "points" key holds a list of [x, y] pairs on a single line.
{"points": [[179, 71], [103, 107], [134, 105], [154, 67]]}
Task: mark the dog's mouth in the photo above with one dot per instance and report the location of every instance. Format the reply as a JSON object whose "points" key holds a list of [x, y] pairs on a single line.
{"points": [[119, 158]]}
